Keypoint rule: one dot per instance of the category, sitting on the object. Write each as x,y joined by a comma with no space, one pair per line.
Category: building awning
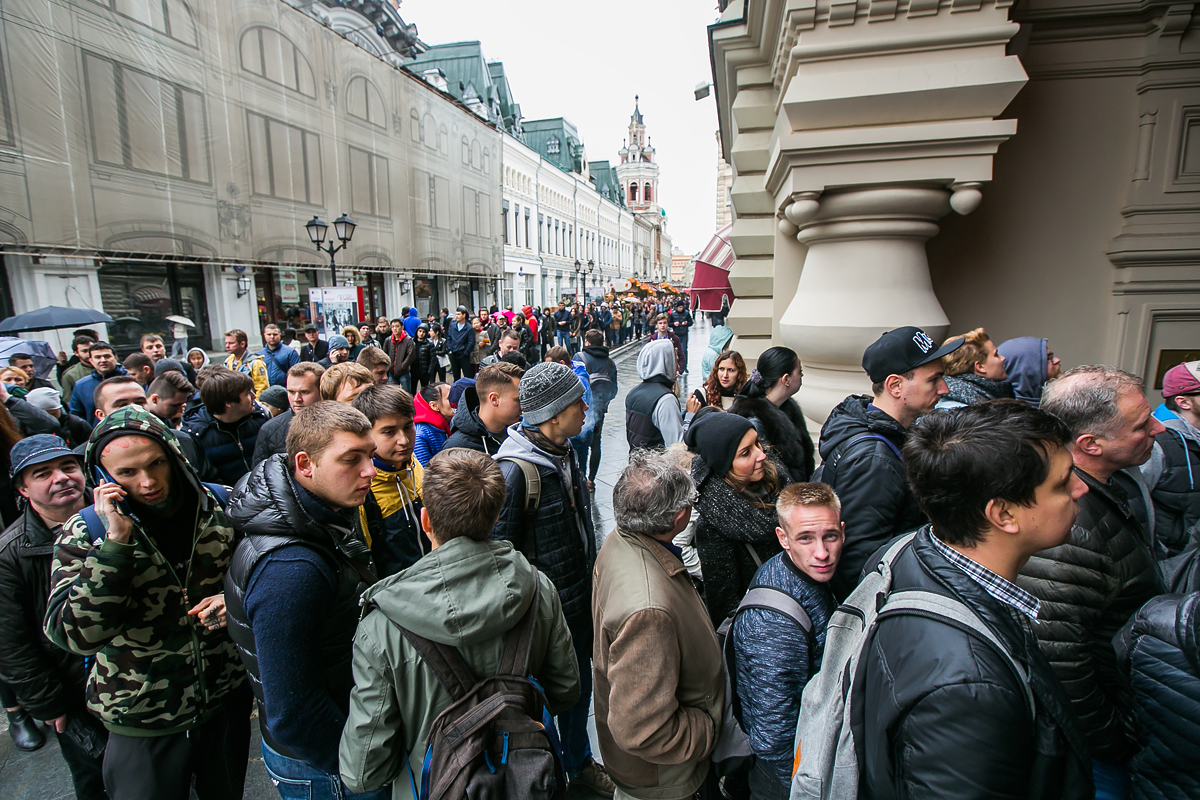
710,282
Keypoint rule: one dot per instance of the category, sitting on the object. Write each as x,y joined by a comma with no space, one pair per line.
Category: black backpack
497,740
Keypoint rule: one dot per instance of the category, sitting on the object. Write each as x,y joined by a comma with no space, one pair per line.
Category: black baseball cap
896,352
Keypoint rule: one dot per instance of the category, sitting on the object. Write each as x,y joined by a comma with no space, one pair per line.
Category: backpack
533,483
836,458
826,763
497,738
732,752
97,531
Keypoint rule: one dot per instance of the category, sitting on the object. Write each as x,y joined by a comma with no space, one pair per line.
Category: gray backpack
826,761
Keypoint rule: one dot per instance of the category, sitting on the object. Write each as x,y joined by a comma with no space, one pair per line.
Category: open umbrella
41,352
710,284
51,318
182,320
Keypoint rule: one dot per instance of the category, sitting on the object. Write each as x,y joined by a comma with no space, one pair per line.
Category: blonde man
343,382
975,372
245,362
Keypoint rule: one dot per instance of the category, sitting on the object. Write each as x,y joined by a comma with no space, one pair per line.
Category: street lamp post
578,272
343,227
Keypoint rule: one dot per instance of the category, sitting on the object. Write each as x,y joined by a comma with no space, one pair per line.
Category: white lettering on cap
922,340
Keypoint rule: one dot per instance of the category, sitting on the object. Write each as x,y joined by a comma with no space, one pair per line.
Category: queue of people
988,587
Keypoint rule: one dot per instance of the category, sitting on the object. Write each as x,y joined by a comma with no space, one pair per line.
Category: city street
42,775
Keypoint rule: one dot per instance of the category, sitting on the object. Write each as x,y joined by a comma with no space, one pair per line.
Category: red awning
710,284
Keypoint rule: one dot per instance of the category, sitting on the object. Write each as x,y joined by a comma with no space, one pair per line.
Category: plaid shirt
1003,590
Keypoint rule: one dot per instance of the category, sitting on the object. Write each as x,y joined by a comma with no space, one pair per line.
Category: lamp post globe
316,230
344,227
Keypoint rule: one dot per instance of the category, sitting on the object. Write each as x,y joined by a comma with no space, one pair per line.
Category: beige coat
659,687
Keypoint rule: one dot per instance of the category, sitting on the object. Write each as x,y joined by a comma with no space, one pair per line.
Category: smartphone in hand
100,475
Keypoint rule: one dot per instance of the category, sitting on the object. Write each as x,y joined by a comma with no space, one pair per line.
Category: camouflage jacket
155,670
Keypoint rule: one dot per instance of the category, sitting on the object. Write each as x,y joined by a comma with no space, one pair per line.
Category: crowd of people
383,542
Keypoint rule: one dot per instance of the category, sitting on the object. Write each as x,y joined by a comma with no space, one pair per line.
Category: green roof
605,177
557,140
467,74
510,110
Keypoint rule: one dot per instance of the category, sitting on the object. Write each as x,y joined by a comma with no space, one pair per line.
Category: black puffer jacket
1089,587
48,680
727,527
783,428
230,454
466,429
272,438
551,537
940,713
1158,650
30,419
877,505
425,363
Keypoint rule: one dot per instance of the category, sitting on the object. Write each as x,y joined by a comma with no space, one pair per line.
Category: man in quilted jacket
1091,585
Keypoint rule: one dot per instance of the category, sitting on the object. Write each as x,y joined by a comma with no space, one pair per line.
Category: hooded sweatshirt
465,594
469,430
154,670
432,430
718,340
411,322
1026,364
1173,477
201,352
648,405
391,517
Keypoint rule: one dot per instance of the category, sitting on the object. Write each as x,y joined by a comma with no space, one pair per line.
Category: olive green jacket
466,594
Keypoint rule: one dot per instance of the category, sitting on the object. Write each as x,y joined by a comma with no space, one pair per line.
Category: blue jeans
563,338
572,723
1112,782
299,780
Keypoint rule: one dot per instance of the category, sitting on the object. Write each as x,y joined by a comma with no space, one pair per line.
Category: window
476,156
443,140
364,101
505,214
646,194
6,126
466,151
529,246
487,166
285,161
171,17
476,213
552,146
370,192
143,123
417,130
633,192
571,238
431,199
269,54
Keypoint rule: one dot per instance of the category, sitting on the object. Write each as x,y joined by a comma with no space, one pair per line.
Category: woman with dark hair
737,485
10,434
727,377
766,400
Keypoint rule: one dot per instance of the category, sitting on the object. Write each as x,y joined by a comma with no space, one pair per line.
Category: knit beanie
547,389
716,436
275,396
168,365
337,342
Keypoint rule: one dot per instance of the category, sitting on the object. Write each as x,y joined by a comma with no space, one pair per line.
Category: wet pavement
42,774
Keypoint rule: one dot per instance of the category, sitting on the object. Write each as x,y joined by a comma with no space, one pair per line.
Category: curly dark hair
712,386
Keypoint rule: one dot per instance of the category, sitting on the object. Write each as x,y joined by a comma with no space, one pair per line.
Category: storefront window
425,296
282,296
139,297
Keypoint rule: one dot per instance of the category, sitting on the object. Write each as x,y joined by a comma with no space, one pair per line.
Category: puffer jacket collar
853,416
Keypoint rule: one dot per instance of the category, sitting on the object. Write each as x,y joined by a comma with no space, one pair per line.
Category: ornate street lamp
343,227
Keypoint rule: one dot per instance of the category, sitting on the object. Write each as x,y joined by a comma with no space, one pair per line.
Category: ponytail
773,364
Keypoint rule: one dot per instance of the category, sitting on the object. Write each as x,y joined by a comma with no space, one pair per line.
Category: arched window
476,156
466,151
646,194
443,140
418,132
364,101
428,129
633,192
269,54
487,165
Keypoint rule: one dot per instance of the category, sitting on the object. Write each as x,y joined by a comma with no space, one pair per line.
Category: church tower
638,171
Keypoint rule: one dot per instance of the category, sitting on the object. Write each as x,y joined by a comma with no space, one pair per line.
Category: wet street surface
42,774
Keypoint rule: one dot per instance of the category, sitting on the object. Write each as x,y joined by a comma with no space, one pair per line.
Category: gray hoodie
1152,470
465,594
657,360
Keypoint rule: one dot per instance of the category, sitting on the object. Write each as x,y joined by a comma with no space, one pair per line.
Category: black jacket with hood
877,505
939,712
467,430
272,438
229,453
783,428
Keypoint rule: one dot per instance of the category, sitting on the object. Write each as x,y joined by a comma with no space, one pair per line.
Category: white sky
585,61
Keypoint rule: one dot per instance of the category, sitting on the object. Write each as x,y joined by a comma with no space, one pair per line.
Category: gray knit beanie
546,390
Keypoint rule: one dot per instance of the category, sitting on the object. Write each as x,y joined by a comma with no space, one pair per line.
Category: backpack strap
862,437
451,671
95,526
777,600
947,609
514,659
533,482
220,492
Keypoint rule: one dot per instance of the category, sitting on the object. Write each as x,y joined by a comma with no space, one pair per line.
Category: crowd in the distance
987,589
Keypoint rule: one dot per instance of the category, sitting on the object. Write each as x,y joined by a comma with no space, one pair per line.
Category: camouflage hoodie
156,670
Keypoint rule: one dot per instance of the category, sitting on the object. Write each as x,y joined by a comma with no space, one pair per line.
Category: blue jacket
430,440
81,404
1026,365
412,322
230,454
462,341
1159,651
589,419
775,658
278,363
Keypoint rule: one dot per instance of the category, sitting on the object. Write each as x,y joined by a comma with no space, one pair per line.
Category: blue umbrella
52,318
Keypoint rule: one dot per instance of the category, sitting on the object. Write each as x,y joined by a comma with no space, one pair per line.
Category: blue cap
37,450
337,341
457,389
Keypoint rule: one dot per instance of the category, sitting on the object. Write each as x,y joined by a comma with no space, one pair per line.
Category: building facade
164,157
1030,168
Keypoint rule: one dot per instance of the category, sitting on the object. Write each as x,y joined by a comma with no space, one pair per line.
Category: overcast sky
585,61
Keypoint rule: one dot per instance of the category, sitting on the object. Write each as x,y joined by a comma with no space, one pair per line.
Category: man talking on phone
137,585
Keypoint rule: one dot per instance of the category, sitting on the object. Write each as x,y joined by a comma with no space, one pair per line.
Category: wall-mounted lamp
243,286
